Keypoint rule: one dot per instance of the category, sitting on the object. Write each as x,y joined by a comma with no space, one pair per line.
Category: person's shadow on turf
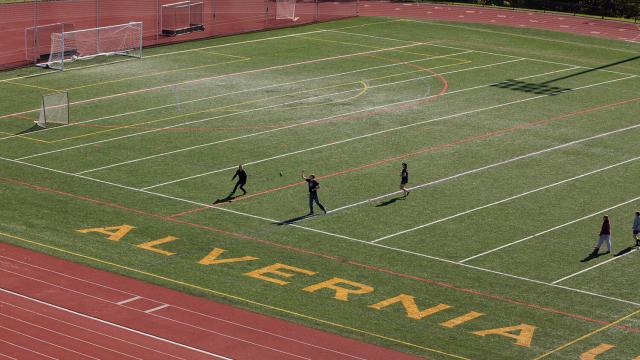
593,255
390,201
624,251
294,220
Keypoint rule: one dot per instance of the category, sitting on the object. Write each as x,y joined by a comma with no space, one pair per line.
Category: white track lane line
594,266
562,225
530,191
270,333
227,75
491,53
5,356
29,350
114,324
71,337
321,232
260,109
46,342
334,142
89,330
156,308
125,301
169,319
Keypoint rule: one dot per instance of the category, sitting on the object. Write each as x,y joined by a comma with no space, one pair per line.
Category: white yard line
260,109
489,53
252,71
250,90
336,142
565,224
526,192
594,266
318,231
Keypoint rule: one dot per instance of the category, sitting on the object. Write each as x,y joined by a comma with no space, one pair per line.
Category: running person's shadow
390,201
594,255
294,220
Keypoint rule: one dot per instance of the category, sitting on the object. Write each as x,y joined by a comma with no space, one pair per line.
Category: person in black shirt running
404,179
314,185
242,180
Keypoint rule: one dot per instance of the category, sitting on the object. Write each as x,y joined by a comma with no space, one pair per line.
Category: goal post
37,40
124,39
54,109
181,18
286,9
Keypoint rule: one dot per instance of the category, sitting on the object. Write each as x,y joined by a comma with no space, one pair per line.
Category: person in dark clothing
242,181
404,179
605,235
314,185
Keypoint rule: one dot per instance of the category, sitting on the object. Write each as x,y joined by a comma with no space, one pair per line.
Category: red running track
52,309
519,18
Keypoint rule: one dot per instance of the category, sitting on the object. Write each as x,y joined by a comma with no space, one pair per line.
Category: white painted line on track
270,333
157,308
594,266
526,192
322,232
169,319
7,356
29,350
129,300
89,330
562,225
114,324
71,337
47,342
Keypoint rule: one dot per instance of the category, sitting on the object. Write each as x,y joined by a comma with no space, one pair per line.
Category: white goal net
54,109
286,9
125,39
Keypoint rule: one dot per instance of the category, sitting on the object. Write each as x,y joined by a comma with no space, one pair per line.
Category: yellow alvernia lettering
523,337
212,258
461,319
151,245
409,304
115,232
275,269
591,354
342,293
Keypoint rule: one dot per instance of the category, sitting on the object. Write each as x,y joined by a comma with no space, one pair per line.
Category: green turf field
518,141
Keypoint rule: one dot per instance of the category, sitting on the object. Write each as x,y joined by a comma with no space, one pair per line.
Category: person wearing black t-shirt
314,185
242,181
404,179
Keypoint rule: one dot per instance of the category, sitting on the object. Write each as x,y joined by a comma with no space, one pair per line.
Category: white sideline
227,75
114,324
264,108
489,53
524,193
594,266
340,141
565,224
175,307
318,231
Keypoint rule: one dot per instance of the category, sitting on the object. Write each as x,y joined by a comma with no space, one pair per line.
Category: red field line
520,18
38,293
467,140
328,257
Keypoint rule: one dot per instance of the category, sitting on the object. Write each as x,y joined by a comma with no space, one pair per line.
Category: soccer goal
125,39
181,18
54,109
37,40
286,9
